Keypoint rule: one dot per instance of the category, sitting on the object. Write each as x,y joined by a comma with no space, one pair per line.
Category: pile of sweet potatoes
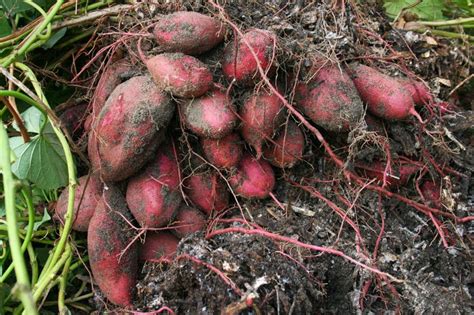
139,174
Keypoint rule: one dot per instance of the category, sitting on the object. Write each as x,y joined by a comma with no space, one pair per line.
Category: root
276,237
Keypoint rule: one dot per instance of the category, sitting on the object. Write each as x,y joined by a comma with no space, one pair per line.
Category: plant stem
23,47
45,281
445,23
33,264
13,238
28,236
41,11
62,287
62,243
25,99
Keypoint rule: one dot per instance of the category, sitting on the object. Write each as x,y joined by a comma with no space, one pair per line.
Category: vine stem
18,261
32,36
28,236
449,22
56,260
62,287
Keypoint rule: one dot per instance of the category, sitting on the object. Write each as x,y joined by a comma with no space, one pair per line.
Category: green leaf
12,7
46,217
41,161
460,8
33,120
5,28
55,38
428,10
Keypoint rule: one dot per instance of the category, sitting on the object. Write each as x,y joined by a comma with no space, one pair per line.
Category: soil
277,277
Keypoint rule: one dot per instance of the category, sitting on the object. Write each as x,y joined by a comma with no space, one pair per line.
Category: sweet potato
240,64
225,152
210,116
129,128
114,74
400,175
207,191
418,90
330,99
287,148
114,268
88,193
188,32
261,115
188,221
179,74
73,120
385,96
253,179
431,193
153,195
158,247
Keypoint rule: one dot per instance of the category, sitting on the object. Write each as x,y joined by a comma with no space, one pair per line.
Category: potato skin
189,220
90,191
114,268
261,115
240,64
253,179
330,99
181,75
158,246
385,96
210,116
153,195
223,153
129,128
401,170
188,32
73,120
287,148
419,92
207,191
110,78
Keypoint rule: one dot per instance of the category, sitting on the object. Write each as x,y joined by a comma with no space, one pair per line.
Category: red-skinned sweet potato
210,116
385,96
418,90
153,195
253,179
129,128
189,220
261,115
207,191
330,99
73,120
287,148
115,74
88,193
179,74
158,247
239,62
188,32
114,268
225,152
401,172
